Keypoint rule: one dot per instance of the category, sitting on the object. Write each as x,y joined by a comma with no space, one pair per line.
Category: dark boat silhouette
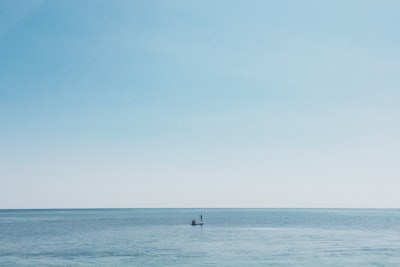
195,222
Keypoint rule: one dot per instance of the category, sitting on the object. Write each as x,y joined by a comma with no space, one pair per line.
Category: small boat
194,222
201,222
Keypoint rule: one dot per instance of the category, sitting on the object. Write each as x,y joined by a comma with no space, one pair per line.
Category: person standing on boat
201,217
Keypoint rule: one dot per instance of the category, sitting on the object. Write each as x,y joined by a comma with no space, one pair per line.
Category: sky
146,104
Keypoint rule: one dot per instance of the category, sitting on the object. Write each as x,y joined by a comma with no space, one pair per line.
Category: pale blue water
230,237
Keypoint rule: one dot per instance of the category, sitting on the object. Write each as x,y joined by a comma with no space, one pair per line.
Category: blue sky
199,104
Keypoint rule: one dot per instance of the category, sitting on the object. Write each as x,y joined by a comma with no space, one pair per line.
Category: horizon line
121,208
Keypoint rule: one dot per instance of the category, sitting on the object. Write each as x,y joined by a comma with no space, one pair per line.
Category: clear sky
199,103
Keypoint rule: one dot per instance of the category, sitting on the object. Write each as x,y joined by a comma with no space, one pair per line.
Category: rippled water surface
230,237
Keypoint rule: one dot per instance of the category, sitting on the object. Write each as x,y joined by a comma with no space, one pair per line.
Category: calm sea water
230,237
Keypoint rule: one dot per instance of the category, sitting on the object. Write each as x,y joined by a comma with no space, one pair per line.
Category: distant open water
230,237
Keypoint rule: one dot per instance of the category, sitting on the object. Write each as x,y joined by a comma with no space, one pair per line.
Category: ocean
229,237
